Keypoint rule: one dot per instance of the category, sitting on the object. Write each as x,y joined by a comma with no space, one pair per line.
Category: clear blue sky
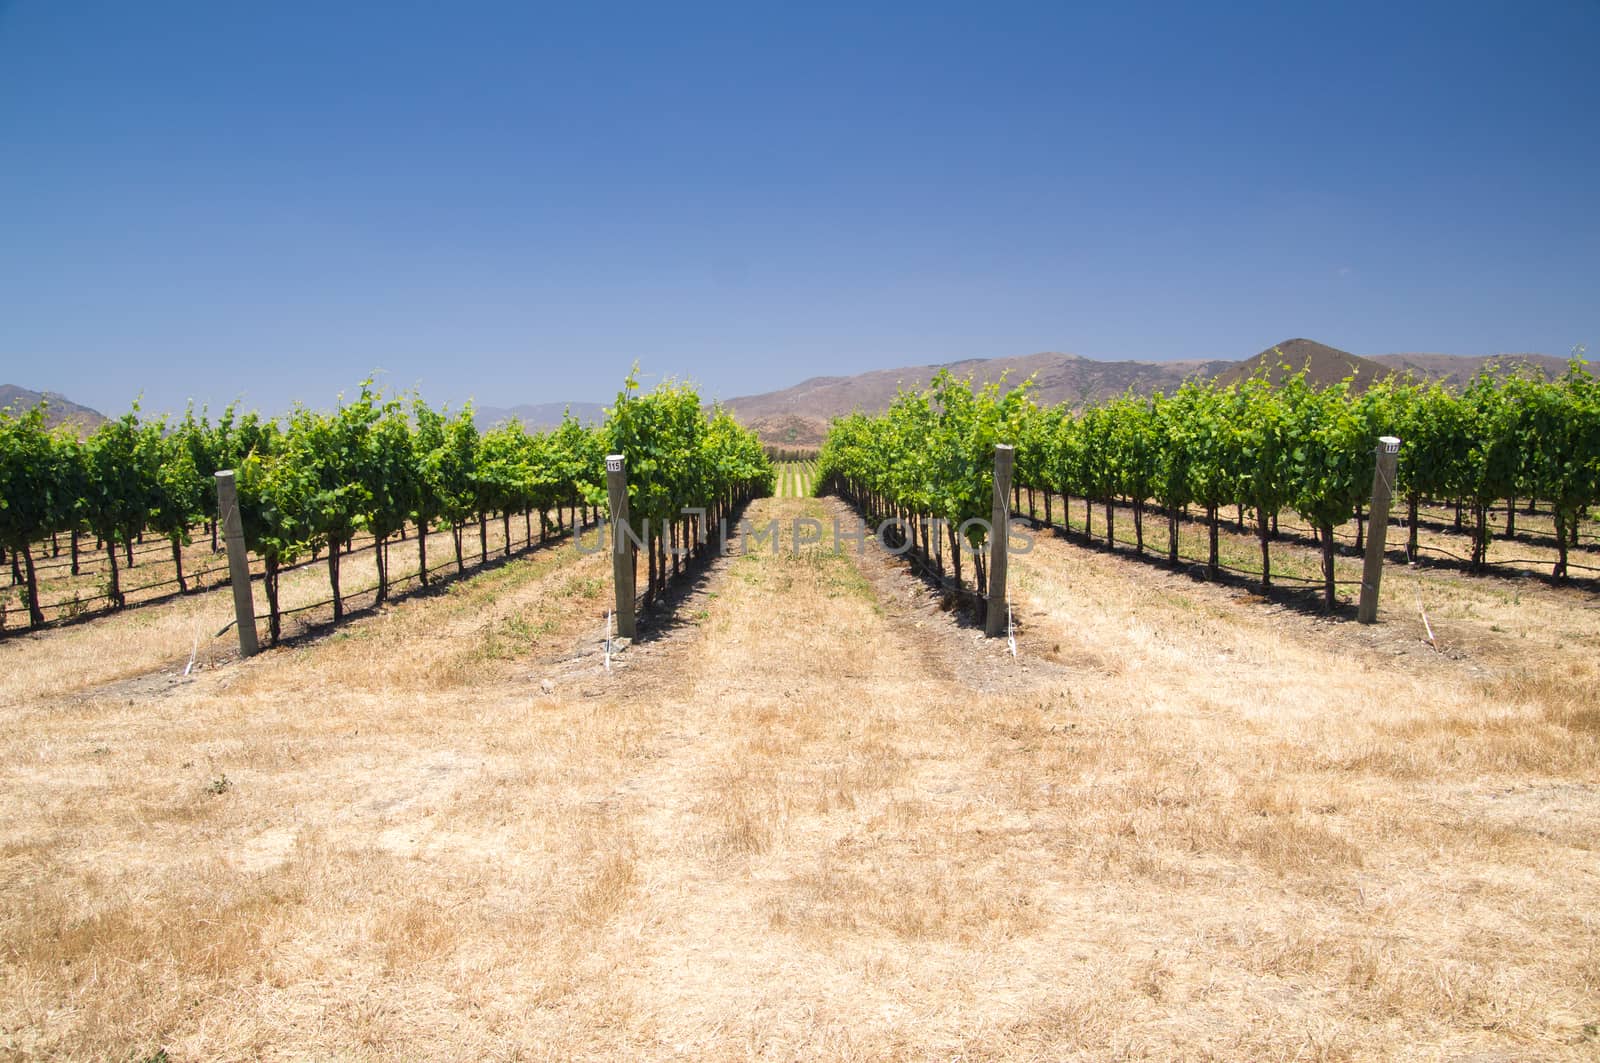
515,201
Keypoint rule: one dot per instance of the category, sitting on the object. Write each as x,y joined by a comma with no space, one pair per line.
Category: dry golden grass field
811,816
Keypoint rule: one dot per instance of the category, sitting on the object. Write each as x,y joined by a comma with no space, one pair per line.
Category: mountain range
798,416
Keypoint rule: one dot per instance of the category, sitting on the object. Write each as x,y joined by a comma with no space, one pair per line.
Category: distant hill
59,410
538,417
1457,370
789,429
799,415
1323,365
1057,378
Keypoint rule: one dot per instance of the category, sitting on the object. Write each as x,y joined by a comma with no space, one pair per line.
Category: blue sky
515,201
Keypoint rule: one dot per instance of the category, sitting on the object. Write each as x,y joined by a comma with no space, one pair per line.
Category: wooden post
244,605
622,568
994,623
1378,530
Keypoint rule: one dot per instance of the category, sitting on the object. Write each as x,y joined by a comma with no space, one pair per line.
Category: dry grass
816,821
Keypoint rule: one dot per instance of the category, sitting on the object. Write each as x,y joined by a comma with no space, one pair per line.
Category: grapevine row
1259,446
314,481
928,463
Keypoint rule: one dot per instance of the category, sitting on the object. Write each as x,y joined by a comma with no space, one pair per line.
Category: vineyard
1119,581
796,479
1286,460
1279,460
809,812
318,488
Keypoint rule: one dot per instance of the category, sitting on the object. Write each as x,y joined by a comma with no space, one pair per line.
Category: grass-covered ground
812,815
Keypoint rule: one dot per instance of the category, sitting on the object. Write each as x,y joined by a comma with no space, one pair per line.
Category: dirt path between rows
803,727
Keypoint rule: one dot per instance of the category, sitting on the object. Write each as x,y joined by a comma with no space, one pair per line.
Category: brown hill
790,430
798,416
59,410
1323,365
1457,370
1058,378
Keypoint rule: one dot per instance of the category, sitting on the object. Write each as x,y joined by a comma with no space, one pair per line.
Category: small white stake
1431,641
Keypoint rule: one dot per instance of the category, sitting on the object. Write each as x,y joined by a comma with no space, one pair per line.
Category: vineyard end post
244,605
621,546
994,620
1378,528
